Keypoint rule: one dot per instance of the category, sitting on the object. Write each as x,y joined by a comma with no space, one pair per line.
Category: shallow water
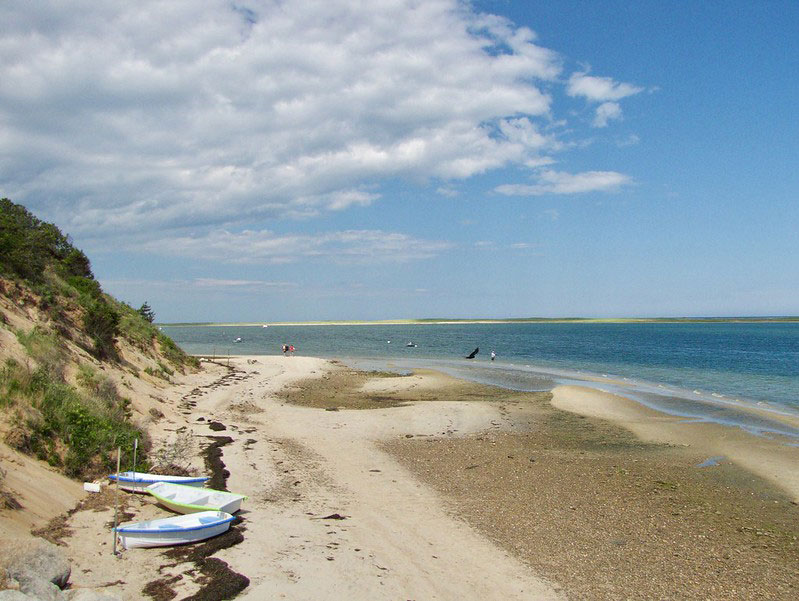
706,371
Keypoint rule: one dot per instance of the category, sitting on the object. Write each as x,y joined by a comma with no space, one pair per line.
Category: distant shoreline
443,321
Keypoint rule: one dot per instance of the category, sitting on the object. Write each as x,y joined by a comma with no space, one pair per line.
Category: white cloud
265,247
149,114
606,112
599,89
559,182
223,283
630,140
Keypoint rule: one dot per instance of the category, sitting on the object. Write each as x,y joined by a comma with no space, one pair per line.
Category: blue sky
314,160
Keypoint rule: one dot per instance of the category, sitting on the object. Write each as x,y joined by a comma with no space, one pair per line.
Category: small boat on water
237,339
175,530
191,499
139,481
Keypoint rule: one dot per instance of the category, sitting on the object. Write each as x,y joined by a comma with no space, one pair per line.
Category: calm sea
707,371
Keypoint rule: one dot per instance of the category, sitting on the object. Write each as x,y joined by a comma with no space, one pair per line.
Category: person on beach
493,355
285,349
291,350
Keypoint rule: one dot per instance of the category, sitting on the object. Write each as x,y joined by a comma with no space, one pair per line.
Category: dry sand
451,490
300,465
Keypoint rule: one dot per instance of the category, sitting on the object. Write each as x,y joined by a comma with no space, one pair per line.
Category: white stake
116,501
135,451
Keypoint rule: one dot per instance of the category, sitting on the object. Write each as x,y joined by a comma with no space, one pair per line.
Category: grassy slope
76,365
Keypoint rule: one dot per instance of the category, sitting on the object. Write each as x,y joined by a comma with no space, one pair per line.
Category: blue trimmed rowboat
139,481
176,530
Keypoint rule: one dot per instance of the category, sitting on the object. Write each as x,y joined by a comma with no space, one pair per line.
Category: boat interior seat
208,519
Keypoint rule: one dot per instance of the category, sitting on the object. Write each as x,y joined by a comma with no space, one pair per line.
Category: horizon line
477,320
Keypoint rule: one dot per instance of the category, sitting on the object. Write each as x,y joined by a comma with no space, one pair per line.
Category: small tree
146,311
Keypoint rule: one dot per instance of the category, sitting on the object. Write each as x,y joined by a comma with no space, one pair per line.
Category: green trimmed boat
191,499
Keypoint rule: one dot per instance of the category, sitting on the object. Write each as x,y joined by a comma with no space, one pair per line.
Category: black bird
473,353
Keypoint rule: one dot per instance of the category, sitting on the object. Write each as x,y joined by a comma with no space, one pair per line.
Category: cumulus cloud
265,247
117,116
559,182
603,90
599,89
606,112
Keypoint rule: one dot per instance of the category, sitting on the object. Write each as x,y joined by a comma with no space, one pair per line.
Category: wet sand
613,508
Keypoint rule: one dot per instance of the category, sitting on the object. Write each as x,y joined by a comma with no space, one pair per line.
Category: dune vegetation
63,351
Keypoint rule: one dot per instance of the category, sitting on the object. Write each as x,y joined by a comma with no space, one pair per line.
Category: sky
261,161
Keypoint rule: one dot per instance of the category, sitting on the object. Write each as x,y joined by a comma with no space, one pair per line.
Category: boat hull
139,481
177,530
183,499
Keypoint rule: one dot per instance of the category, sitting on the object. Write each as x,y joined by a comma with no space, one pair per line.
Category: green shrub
86,287
29,245
76,263
45,348
134,328
173,353
70,429
157,373
10,384
101,323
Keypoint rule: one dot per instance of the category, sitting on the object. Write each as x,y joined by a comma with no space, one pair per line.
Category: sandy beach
377,486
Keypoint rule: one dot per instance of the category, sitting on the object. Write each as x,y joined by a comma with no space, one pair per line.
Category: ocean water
706,371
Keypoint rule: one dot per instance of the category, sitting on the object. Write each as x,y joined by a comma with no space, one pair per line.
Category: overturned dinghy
176,530
139,481
190,499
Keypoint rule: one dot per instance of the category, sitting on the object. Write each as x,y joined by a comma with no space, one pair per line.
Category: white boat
190,499
237,339
139,481
175,530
